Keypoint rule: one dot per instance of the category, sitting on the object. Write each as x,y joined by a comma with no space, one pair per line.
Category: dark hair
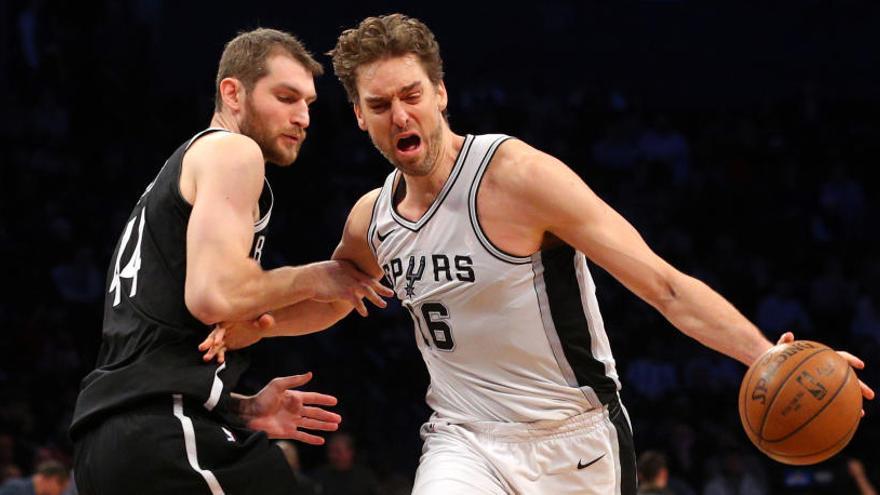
381,37
244,57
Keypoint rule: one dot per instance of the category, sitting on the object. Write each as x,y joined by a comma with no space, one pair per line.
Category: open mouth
409,143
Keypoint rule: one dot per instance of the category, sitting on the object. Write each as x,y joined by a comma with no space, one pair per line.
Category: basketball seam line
779,389
843,440
750,375
836,393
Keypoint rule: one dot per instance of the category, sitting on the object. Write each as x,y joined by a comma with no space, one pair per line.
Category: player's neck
421,190
223,120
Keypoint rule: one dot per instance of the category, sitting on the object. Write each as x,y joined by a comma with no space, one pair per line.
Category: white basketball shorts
591,453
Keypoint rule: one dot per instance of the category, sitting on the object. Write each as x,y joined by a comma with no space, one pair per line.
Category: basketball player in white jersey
484,240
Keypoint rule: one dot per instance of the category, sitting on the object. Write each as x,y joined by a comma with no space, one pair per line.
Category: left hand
234,335
282,413
853,361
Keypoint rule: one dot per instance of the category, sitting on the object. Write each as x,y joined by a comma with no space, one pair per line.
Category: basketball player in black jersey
153,417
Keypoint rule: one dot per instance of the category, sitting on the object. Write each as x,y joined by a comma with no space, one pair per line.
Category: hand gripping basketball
801,402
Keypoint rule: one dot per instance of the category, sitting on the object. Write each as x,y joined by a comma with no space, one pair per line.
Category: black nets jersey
150,339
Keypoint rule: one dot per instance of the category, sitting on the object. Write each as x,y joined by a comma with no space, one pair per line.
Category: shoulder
518,167
362,213
226,150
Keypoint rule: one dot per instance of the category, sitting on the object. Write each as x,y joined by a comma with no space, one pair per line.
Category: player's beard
254,127
432,144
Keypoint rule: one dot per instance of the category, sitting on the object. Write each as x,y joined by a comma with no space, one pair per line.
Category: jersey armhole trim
371,229
472,209
177,192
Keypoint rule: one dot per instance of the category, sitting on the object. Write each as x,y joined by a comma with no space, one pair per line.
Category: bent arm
561,203
222,282
312,316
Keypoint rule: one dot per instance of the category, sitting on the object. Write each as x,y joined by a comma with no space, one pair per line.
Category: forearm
307,317
243,292
704,315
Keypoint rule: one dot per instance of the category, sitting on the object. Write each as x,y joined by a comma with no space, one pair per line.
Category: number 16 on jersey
432,321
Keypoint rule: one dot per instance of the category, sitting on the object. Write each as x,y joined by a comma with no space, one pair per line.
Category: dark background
739,139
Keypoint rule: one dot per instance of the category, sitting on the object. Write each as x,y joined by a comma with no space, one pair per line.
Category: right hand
855,362
229,336
339,280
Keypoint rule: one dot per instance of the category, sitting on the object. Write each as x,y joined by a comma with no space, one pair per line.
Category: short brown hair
381,37
244,57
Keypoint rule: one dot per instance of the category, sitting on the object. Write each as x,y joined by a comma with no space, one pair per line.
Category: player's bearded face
279,146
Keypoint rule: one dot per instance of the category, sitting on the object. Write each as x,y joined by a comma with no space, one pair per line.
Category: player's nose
398,114
300,114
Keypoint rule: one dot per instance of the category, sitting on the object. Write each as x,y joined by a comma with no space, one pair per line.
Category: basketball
800,403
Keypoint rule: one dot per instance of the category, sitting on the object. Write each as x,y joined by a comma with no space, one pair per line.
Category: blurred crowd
768,202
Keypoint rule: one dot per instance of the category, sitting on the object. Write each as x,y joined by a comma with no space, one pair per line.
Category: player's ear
232,93
359,116
442,97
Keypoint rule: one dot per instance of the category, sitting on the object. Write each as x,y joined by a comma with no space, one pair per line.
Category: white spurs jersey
505,338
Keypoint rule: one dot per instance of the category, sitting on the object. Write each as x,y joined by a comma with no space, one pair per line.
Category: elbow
665,294
209,308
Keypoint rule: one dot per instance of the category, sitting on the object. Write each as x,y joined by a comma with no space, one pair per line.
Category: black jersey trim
626,451
571,323
487,243
450,182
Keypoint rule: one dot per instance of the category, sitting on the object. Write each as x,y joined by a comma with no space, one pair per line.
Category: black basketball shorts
170,448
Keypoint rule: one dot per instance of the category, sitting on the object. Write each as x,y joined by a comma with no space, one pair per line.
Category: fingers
316,398
308,438
374,298
381,289
221,355
852,360
214,345
320,415
207,343
867,392
286,382
314,424
785,338
212,338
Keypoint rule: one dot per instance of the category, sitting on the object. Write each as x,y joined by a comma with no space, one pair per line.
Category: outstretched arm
222,178
310,316
562,204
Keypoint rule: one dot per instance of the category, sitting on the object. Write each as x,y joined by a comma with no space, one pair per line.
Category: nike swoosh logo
581,465
383,237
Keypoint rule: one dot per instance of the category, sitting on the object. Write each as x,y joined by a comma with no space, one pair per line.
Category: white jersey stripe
216,389
599,345
189,437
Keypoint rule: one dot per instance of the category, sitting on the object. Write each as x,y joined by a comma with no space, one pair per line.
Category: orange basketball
800,403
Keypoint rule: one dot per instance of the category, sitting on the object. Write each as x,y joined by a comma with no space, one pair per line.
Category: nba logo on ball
800,403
